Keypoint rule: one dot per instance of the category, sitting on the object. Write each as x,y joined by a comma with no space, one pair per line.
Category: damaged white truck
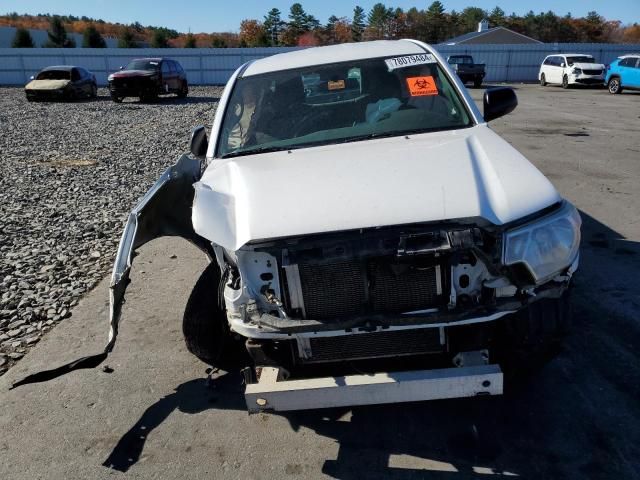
371,239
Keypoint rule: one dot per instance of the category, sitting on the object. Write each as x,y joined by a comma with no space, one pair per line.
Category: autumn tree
91,38
357,24
253,34
631,34
58,35
22,39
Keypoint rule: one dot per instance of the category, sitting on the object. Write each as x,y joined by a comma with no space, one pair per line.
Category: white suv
571,69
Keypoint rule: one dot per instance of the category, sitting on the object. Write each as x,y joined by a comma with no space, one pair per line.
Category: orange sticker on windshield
421,86
336,85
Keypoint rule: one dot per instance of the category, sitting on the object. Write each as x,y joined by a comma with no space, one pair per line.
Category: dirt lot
155,416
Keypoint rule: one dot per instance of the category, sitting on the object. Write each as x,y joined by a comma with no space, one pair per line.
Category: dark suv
147,78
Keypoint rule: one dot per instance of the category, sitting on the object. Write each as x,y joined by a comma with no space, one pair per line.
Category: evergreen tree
58,35
127,40
22,39
470,17
91,38
436,22
497,17
190,41
159,39
273,26
218,42
378,20
357,25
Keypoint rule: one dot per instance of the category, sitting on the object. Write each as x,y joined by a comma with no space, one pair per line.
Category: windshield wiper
251,151
399,133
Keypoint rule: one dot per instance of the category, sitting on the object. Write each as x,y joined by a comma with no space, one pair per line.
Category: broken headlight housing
545,246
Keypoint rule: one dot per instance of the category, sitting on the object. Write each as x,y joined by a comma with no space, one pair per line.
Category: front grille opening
369,286
397,343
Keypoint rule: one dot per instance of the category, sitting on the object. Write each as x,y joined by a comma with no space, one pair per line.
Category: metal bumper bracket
269,394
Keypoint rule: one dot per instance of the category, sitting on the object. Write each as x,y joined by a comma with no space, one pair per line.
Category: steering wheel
311,118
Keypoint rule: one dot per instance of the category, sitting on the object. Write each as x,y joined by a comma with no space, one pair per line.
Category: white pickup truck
371,239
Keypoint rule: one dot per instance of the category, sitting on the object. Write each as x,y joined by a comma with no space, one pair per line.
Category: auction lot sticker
409,61
422,86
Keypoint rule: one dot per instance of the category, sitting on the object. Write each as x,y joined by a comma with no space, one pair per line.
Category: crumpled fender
165,210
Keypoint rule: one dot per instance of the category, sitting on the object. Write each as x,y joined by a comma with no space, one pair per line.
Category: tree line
299,28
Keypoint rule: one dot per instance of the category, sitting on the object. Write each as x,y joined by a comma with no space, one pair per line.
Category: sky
217,16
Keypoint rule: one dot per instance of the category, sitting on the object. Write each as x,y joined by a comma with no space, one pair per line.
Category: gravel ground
71,172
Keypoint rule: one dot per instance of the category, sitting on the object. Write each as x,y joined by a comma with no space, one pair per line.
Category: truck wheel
614,86
204,325
116,98
565,82
534,334
543,80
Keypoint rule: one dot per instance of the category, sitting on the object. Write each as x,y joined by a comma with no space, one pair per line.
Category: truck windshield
338,103
572,60
461,60
149,65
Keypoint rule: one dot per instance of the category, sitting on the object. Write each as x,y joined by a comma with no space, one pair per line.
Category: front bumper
132,87
586,79
58,94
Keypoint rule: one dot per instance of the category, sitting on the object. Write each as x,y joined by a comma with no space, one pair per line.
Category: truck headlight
577,71
545,246
110,78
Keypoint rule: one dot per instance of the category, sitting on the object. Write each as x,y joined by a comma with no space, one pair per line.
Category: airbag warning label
421,86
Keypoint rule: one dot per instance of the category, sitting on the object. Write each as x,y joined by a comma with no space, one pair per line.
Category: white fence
204,66
212,66
521,63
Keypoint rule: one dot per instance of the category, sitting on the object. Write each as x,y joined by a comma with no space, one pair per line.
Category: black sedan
147,78
65,82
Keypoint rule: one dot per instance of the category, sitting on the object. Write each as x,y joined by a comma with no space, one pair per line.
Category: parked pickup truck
467,70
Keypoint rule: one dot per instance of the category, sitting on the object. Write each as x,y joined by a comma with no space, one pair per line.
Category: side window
547,61
179,67
75,75
165,67
172,66
638,62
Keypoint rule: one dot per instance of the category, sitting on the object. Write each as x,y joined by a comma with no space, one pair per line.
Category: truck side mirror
498,101
562,65
199,142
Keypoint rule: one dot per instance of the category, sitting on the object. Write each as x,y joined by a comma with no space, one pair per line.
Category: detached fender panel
165,210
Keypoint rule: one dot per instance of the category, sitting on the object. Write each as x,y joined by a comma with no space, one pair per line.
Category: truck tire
565,82
204,325
534,335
